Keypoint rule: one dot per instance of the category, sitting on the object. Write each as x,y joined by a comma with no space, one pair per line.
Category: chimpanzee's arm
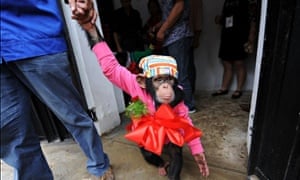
93,35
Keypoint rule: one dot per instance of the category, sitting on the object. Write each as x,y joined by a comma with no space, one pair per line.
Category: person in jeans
34,60
177,37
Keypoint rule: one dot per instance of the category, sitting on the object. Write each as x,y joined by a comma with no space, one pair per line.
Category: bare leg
227,75
241,74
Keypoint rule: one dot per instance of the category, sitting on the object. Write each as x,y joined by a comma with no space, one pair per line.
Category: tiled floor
220,118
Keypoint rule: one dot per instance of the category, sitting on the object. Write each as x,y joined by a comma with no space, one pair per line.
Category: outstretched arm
116,73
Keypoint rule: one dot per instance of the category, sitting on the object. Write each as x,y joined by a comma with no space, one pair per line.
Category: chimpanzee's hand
202,164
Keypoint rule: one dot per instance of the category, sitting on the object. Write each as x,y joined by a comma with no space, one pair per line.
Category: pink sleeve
194,145
116,73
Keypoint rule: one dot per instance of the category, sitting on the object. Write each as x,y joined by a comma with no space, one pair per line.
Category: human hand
119,49
160,36
202,164
83,11
249,47
88,25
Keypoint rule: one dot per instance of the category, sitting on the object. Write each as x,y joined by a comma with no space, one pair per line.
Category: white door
101,96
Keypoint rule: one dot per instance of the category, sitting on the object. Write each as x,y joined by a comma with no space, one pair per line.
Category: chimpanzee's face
163,85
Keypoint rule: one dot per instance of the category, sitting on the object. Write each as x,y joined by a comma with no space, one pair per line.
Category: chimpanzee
157,85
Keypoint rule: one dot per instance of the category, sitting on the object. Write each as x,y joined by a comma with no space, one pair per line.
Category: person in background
152,26
196,13
127,32
176,34
238,36
127,28
34,61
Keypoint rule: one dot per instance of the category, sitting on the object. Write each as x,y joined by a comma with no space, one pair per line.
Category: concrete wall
209,67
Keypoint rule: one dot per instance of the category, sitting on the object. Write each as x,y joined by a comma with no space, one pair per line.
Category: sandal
236,94
220,92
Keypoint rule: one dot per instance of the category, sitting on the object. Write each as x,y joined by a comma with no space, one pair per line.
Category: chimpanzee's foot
162,171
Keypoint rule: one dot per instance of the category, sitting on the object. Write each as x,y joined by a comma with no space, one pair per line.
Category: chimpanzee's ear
141,79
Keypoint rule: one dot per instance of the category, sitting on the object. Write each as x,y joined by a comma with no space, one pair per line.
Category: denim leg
20,146
181,51
50,80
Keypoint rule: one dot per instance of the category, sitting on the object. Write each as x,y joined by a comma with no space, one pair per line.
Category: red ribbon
150,132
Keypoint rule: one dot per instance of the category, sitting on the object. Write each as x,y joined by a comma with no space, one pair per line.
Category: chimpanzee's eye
160,80
163,79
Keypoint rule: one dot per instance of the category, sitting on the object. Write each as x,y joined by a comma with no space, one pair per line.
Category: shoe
220,92
236,94
191,111
245,107
108,175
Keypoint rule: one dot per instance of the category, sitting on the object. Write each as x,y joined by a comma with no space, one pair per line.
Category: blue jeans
181,51
49,78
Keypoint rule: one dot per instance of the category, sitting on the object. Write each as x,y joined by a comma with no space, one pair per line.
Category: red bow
150,131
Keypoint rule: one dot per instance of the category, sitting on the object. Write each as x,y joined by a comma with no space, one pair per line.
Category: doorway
224,124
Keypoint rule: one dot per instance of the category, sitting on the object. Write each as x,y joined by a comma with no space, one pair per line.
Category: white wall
209,67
